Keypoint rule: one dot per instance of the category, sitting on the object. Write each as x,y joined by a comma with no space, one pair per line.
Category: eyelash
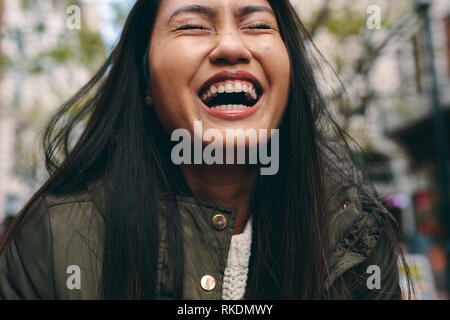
260,26
191,26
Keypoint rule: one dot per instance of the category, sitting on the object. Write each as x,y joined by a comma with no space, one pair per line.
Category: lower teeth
230,107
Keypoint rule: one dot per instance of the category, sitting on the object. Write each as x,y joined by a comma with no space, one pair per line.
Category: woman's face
221,62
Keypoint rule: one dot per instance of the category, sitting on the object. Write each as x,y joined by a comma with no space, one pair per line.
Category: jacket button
208,283
346,204
219,222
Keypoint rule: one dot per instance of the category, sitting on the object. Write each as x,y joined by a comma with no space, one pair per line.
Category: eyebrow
210,12
206,11
247,10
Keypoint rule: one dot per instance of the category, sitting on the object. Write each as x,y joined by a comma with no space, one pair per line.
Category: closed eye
191,27
260,26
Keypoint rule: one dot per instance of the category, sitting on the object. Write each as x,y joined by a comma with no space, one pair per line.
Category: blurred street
392,58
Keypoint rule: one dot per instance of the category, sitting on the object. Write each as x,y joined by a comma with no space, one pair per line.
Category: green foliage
345,22
44,49
60,53
27,4
35,68
355,52
91,47
4,62
40,27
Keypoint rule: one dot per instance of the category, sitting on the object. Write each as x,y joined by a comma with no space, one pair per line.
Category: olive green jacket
63,232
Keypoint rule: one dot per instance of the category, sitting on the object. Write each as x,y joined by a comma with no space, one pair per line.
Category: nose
230,49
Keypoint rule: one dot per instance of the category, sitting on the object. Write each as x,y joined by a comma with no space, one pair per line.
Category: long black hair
107,132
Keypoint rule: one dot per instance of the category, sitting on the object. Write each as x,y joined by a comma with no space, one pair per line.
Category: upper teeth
230,87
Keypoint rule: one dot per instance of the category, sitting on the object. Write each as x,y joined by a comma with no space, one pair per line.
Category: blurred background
393,58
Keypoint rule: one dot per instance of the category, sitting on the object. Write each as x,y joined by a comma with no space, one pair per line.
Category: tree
353,49
45,64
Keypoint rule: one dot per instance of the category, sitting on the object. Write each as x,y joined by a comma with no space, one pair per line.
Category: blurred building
42,63
389,109
39,68
404,162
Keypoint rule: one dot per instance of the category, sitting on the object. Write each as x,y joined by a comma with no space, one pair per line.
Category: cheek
173,70
174,63
163,64
277,66
176,57
274,58
281,79
160,68
280,67
170,69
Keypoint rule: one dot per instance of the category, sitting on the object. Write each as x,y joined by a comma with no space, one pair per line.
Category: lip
237,114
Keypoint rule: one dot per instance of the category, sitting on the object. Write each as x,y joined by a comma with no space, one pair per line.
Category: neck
225,185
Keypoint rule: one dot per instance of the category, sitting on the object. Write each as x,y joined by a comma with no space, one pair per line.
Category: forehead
169,6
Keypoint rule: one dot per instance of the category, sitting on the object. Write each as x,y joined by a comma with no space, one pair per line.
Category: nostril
228,61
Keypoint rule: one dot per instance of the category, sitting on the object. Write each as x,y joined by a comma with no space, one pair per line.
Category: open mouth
231,95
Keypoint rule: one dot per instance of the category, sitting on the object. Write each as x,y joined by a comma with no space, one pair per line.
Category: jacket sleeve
26,261
376,278
385,257
364,259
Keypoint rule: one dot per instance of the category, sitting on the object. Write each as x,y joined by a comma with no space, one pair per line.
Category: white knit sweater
235,277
